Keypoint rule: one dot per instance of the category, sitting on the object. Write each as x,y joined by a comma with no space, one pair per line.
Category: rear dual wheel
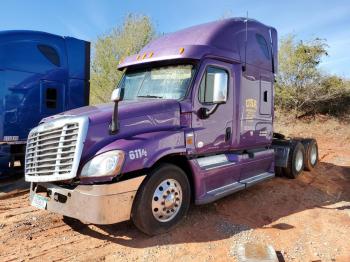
296,161
303,156
162,200
311,153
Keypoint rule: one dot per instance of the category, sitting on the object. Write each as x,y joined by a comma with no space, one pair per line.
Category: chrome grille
54,149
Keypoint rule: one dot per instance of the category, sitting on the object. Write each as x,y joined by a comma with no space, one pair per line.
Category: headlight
106,164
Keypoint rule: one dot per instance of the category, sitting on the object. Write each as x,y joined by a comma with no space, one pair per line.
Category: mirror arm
212,110
205,112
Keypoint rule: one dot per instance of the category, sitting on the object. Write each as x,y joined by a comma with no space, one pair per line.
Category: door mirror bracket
204,112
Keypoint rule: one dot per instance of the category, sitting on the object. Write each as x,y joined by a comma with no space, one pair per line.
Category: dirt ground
307,219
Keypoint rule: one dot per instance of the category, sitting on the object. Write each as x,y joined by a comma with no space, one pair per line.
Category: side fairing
256,110
256,89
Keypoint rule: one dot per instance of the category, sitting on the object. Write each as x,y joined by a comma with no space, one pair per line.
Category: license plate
39,201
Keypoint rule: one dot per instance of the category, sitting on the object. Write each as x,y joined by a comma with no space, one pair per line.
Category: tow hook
60,198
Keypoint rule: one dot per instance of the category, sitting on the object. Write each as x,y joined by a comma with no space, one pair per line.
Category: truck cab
190,121
41,74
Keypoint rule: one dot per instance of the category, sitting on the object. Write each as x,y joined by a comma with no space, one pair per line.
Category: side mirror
115,97
220,80
214,86
213,90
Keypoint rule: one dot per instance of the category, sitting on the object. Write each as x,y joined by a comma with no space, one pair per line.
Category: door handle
228,134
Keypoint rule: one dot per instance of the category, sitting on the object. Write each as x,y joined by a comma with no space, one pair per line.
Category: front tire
162,200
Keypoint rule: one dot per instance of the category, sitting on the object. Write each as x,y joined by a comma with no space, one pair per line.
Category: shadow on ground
13,186
257,207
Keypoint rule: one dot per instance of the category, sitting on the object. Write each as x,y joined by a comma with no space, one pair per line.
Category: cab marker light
189,139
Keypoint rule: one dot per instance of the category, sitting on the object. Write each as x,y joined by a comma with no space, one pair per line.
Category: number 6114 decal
137,153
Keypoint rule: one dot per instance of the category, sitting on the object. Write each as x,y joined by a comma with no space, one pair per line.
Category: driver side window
214,86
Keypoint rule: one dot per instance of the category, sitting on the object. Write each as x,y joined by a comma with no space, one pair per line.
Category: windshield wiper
150,96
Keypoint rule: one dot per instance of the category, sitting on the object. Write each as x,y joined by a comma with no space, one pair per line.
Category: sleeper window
263,45
50,53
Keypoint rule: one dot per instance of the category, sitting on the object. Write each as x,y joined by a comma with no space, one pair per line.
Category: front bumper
97,204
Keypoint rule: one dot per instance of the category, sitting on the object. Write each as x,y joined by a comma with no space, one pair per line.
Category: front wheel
162,200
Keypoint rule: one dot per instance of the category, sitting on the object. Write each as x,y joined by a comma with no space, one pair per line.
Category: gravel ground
307,219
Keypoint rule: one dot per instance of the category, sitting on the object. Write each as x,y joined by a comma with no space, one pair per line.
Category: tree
301,86
298,61
298,71
124,40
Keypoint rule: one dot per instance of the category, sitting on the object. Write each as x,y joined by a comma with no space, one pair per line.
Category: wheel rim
167,200
313,154
299,159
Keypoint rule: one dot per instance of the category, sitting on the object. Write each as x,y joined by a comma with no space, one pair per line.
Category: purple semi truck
191,121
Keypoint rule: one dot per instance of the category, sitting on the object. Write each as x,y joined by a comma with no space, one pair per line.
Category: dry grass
319,126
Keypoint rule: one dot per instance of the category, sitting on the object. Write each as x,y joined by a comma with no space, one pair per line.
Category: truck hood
135,117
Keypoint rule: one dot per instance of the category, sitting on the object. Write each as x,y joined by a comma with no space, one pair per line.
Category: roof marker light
182,50
138,57
144,56
150,54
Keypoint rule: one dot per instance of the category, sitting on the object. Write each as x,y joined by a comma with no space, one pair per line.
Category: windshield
168,82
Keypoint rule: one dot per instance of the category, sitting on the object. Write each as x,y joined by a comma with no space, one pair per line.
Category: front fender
144,150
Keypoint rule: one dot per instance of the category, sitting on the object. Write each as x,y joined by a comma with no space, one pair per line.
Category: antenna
246,42
246,27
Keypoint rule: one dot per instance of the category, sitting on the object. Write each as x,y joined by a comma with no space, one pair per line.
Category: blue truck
41,74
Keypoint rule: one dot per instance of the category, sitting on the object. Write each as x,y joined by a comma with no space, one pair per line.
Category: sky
88,19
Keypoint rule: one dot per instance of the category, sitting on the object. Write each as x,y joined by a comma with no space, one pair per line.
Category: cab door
213,108
212,123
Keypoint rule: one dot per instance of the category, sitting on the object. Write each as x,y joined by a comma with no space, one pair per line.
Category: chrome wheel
167,200
299,159
313,155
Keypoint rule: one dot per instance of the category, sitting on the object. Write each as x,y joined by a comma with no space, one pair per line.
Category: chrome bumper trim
97,204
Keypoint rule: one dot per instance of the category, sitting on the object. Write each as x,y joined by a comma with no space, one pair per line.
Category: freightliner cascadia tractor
41,74
191,122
